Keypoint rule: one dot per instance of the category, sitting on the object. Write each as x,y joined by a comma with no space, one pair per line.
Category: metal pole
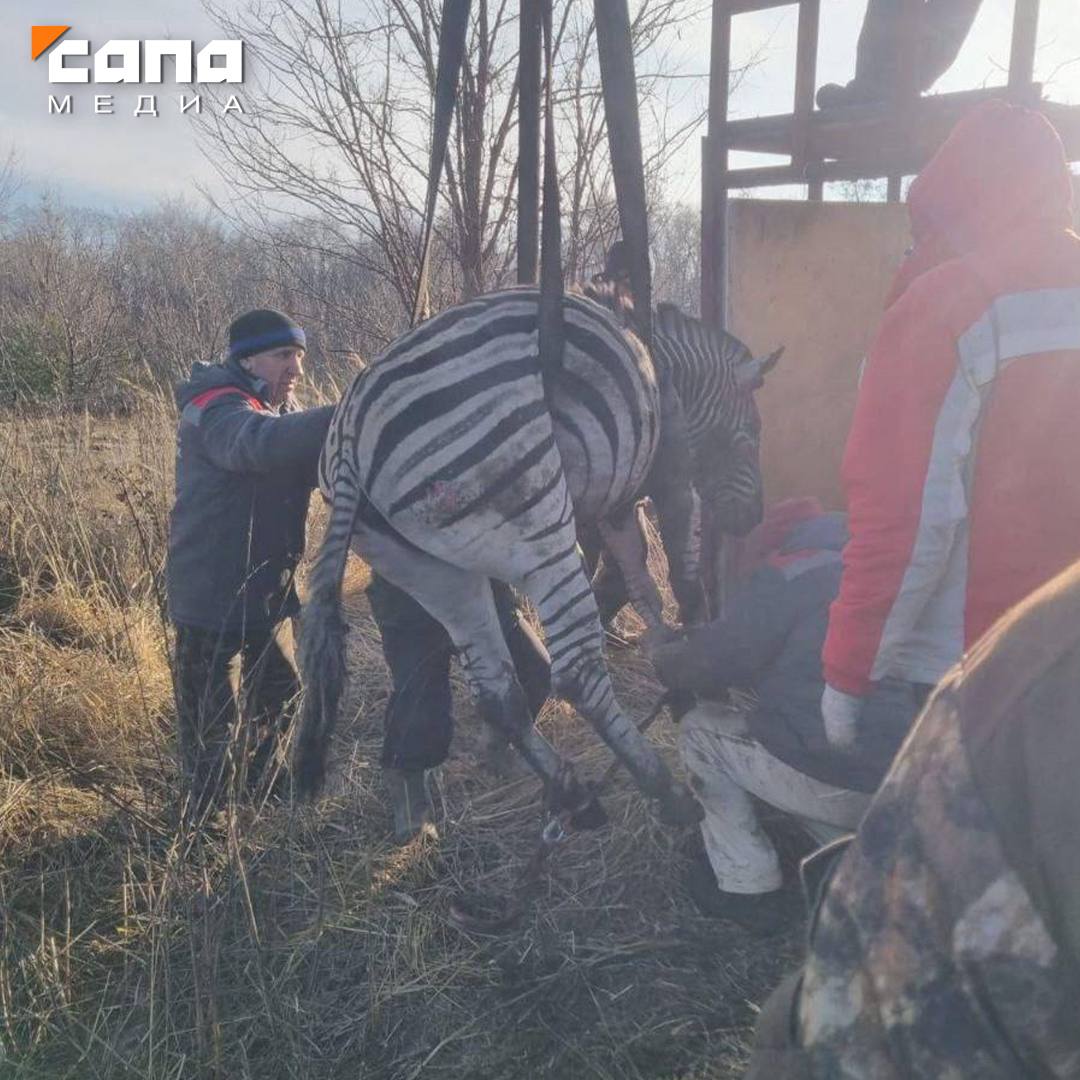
713,173
805,78
528,225
619,85
453,31
1022,55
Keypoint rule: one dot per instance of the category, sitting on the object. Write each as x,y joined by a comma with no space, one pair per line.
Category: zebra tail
322,645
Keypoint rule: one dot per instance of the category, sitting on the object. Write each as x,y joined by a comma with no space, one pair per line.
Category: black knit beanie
264,328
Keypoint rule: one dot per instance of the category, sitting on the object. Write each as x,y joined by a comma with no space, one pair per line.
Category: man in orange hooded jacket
960,465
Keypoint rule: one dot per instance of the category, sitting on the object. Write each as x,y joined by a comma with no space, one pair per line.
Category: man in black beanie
246,464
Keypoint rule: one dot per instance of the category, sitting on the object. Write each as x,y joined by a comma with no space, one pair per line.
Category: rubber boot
410,803
763,914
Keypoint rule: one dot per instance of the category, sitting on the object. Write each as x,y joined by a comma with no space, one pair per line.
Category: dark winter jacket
770,642
244,475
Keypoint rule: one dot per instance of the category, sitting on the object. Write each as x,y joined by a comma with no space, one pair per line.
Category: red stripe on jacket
204,399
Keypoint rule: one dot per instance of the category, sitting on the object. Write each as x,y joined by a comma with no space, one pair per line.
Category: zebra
714,376
454,459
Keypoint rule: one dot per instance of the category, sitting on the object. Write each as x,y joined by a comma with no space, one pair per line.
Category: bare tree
181,279
676,254
95,305
339,134
341,127
61,318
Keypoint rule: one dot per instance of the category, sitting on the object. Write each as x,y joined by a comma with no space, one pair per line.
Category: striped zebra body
714,376
455,459
464,445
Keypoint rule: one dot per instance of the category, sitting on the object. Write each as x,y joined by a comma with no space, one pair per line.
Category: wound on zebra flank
455,459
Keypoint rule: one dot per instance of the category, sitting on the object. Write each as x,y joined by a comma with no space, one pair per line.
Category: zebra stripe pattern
715,376
454,459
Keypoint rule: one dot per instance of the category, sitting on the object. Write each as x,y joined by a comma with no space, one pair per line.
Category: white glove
840,712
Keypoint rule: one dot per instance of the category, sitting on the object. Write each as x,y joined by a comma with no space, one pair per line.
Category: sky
122,161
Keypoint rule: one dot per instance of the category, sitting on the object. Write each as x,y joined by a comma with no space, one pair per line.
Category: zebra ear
750,375
766,365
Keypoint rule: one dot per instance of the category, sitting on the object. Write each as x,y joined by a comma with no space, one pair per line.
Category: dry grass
296,942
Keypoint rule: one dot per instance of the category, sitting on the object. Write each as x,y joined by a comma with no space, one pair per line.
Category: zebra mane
673,322
669,320
610,293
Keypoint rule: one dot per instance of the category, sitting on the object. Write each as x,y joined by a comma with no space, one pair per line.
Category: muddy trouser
726,767
419,720
943,26
234,696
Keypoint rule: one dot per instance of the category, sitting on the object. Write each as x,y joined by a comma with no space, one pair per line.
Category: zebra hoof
679,807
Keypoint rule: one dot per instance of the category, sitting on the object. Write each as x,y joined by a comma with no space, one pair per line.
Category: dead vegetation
296,942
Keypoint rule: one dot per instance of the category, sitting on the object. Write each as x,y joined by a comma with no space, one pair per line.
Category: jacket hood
209,376
770,536
1002,168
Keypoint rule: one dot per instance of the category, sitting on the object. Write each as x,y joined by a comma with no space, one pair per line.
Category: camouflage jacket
947,943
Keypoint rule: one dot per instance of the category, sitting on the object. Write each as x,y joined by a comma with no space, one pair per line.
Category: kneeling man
769,642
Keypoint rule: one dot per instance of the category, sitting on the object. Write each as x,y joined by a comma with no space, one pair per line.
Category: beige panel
812,277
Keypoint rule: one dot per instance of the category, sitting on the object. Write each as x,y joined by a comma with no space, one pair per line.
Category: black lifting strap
551,275
453,30
624,140
528,223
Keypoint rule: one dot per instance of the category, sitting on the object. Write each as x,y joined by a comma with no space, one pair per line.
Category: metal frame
891,139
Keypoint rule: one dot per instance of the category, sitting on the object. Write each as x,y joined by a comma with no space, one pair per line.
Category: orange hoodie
959,468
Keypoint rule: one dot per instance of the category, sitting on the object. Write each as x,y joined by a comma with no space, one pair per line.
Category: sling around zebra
454,459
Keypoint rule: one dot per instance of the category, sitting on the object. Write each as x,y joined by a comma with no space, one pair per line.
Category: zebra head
716,377
728,463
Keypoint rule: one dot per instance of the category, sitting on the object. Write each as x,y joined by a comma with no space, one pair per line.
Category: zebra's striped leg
462,601
575,640
623,533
